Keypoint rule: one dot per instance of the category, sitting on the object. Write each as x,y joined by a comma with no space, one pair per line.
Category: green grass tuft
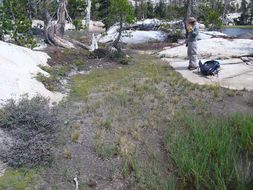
208,153
19,179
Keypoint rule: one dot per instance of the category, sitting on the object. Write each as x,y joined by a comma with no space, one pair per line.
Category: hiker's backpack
209,67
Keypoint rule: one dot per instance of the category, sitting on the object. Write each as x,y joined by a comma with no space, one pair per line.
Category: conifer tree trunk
54,31
116,42
189,8
61,18
88,10
188,5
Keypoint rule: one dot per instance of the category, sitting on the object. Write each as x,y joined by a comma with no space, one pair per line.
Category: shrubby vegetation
100,11
76,9
160,11
120,11
31,124
211,16
15,23
246,13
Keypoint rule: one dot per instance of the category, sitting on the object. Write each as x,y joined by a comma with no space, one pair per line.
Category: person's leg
189,53
194,61
190,62
192,53
189,49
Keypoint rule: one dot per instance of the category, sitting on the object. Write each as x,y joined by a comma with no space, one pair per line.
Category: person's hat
191,19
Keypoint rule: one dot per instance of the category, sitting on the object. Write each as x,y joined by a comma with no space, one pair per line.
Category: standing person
193,31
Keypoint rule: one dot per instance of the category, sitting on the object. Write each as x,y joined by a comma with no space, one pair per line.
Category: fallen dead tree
54,31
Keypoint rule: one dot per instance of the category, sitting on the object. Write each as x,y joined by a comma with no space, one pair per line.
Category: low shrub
99,53
49,82
78,24
31,125
120,58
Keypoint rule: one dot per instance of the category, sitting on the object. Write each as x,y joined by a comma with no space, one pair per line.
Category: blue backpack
209,67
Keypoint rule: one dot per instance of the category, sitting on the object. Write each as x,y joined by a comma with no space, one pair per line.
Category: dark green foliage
251,12
120,58
246,13
99,53
141,10
76,10
104,12
150,10
94,10
210,16
14,22
32,125
110,10
100,11
121,9
161,10
175,12
78,24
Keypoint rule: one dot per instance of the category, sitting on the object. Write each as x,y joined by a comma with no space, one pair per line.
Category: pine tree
94,10
103,12
150,10
251,12
14,22
160,10
244,10
143,10
76,9
137,11
120,11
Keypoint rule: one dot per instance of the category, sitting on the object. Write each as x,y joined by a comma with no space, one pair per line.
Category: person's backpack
209,67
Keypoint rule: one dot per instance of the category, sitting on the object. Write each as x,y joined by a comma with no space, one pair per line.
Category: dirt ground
115,116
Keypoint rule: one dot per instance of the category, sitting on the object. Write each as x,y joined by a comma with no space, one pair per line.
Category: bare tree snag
54,31
61,18
88,10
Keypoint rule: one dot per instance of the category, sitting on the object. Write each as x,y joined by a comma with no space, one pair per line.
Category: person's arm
195,31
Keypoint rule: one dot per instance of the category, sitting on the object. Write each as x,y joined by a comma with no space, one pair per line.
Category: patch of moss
19,179
79,64
62,71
